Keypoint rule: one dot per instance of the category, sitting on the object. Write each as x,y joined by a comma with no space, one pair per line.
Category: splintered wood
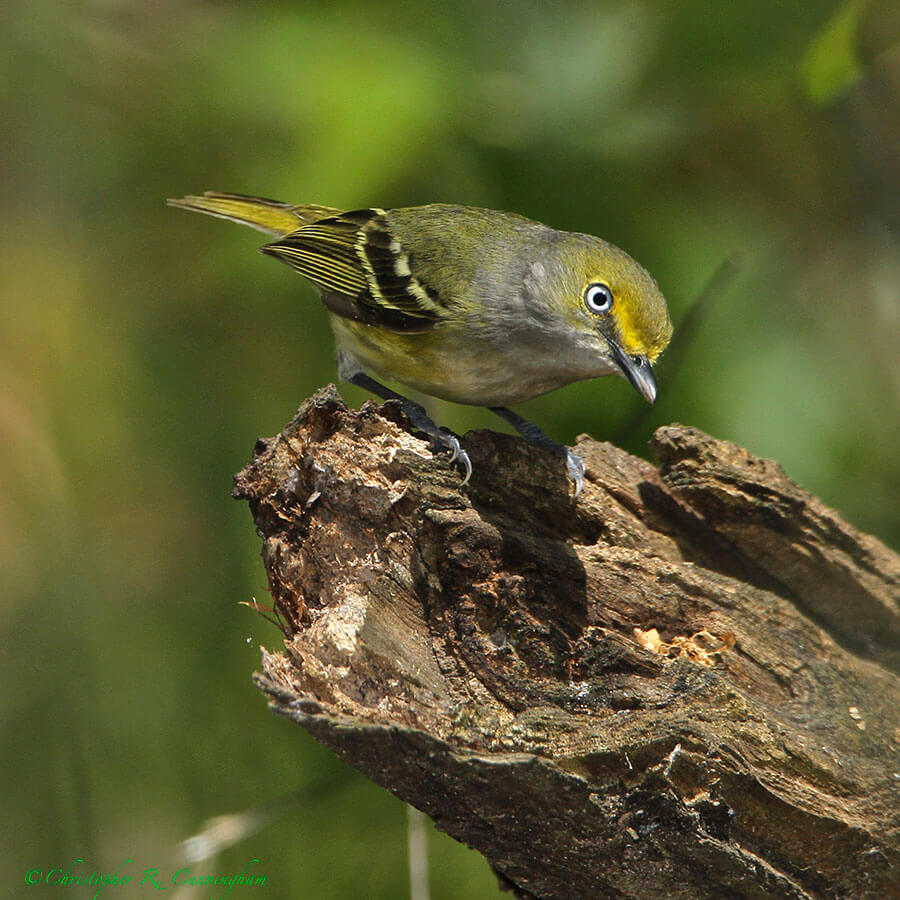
691,647
684,685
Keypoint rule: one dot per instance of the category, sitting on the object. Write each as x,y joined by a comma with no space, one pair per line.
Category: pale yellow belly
441,364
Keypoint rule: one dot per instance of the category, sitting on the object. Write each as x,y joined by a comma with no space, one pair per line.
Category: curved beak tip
638,371
645,385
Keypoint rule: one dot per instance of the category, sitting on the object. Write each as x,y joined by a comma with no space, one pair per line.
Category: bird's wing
361,270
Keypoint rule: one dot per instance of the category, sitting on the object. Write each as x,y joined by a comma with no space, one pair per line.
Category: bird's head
613,304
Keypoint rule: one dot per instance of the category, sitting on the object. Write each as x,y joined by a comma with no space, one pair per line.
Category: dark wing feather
361,270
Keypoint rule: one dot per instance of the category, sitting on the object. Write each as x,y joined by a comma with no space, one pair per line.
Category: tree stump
685,684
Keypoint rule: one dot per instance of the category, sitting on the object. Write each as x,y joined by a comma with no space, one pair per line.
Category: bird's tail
270,216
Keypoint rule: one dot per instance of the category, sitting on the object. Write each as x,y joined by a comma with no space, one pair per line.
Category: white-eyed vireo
471,305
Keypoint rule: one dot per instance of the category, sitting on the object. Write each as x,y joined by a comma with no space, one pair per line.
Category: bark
488,654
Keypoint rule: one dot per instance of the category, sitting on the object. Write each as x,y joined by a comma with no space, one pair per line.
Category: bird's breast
453,364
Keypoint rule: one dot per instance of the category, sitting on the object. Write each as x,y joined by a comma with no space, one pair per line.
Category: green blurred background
142,349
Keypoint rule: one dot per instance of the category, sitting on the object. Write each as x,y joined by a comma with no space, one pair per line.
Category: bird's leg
534,435
419,419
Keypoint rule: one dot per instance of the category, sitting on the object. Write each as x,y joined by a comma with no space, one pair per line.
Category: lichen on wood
482,653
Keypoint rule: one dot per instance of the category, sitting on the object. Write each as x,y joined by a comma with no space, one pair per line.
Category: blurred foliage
142,350
830,65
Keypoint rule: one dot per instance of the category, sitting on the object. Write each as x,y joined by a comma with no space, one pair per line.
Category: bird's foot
534,435
575,468
457,454
418,418
440,437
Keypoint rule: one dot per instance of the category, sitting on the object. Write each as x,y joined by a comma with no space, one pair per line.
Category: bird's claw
457,454
575,468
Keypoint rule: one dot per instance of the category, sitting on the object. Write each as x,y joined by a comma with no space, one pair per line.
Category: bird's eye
598,298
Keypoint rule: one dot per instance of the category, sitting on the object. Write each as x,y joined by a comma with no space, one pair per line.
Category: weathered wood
475,651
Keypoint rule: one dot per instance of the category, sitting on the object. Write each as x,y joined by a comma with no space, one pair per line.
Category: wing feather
354,255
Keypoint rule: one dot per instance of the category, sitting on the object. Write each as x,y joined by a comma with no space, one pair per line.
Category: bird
471,305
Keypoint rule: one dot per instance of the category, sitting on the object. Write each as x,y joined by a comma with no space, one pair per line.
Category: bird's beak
637,370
